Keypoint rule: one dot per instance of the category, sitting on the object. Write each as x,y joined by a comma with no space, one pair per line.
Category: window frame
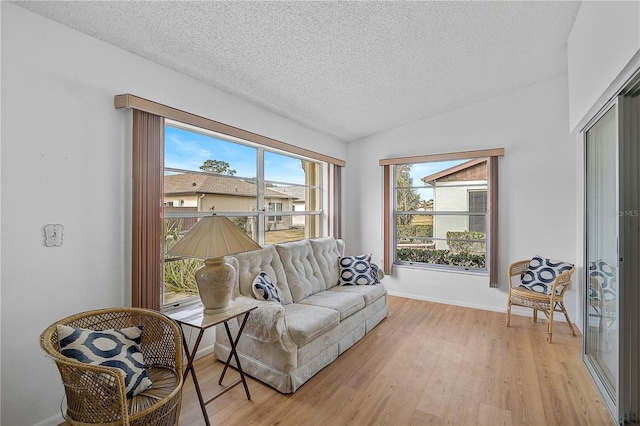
492,234
147,219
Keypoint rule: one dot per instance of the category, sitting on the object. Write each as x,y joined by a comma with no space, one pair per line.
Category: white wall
603,50
66,160
537,187
604,37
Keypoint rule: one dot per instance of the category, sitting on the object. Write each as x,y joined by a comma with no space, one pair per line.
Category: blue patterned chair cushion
264,289
358,270
605,274
542,273
119,348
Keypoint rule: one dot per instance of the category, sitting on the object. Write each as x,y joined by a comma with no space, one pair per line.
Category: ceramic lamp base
215,280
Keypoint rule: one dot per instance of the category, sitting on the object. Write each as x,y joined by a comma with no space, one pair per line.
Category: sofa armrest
266,323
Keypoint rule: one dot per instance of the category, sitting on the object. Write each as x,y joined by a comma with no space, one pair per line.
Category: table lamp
211,239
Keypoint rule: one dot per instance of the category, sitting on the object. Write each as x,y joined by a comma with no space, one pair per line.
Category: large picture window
207,173
441,211
236,172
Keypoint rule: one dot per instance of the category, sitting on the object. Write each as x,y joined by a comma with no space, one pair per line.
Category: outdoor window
478,204
275,207
441,211
207,173
164,206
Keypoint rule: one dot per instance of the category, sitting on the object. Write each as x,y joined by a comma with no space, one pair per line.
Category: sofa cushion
306,322
264,289
267,260
302,270
327,253
371,293
358,270
345,303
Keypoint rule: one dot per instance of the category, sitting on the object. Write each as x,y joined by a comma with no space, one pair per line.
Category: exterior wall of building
452,198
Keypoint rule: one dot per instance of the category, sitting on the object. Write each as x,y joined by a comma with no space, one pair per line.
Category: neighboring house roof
198,183
475,169
297,192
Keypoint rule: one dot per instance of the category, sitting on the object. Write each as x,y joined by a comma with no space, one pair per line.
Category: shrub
178,275
469,241
420,232
441,257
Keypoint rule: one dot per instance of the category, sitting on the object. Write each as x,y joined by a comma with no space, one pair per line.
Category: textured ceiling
347,69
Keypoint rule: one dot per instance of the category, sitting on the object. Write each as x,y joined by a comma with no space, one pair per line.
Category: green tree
218,166
407,198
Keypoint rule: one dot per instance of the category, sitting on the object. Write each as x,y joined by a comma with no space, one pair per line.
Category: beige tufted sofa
285,344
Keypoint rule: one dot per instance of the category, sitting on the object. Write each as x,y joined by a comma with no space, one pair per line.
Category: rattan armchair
96,394
547,303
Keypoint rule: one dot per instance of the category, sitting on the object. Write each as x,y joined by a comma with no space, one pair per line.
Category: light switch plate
53,235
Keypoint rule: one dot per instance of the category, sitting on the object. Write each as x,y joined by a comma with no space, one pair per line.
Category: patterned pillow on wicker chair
119,348
542,273
605,274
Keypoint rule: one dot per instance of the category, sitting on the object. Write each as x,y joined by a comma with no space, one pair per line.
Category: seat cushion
306,322
345,303
371,293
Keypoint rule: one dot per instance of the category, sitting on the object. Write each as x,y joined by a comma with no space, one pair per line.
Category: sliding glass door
612,210
602,189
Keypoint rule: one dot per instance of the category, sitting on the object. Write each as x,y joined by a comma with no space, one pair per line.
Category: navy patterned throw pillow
542,273
119,348
605,274
358,270
264,289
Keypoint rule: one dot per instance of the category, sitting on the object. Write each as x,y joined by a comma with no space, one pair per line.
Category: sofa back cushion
301,268
251,263
327,251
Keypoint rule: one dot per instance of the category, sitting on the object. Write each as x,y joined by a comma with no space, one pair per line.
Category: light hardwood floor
426,363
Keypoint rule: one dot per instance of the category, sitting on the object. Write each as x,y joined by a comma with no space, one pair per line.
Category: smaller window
478,205
275,207
440,211
428,211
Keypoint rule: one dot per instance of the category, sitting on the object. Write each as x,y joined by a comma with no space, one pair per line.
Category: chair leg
509,313
535,315
550,326
566,315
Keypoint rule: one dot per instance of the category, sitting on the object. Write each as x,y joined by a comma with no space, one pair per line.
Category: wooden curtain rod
495,152
141,104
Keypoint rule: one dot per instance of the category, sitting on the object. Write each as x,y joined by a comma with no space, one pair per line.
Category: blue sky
189,150
420,170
